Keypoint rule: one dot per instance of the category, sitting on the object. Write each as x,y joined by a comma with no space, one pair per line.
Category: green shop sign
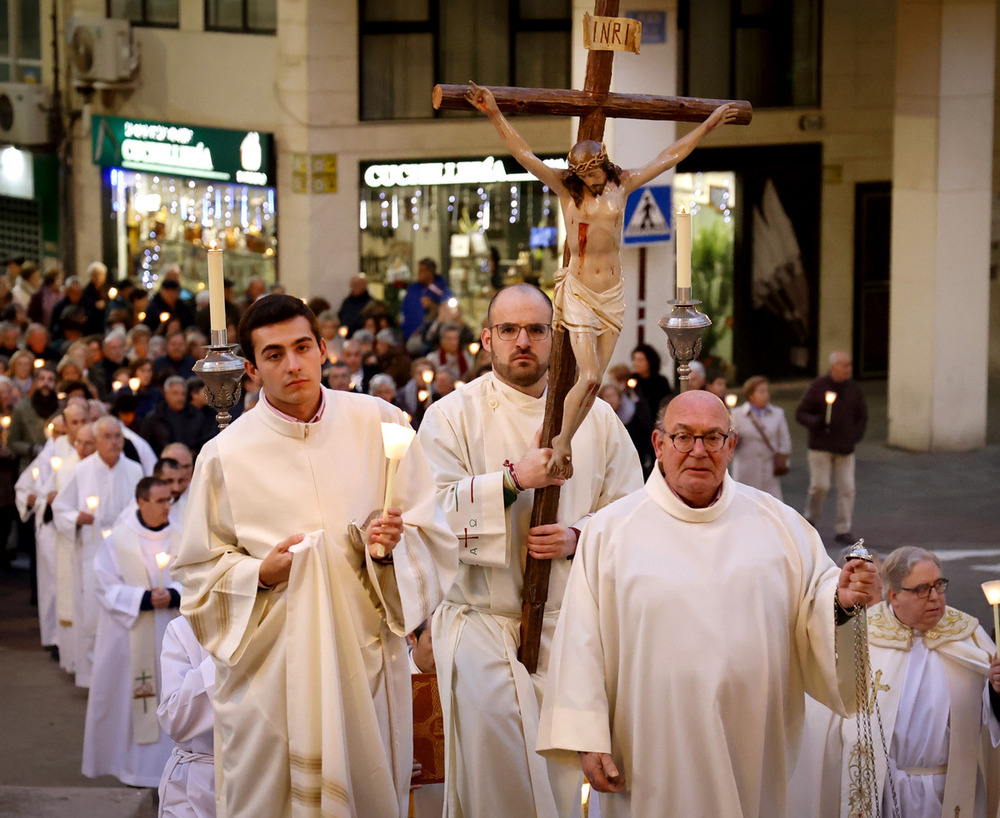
244,157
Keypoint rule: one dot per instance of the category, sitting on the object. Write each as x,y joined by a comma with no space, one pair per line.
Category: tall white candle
683,240
216,290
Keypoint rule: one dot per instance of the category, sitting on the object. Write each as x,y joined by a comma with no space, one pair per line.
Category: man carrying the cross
589,297
483,448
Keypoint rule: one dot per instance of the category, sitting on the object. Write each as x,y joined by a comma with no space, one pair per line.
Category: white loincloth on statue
579,309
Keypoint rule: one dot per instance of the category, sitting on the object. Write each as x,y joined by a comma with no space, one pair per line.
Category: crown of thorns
595,162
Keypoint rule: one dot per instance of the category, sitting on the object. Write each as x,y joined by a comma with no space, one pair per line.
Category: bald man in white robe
698,612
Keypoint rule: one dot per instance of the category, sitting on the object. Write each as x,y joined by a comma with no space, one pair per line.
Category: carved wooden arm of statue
482,100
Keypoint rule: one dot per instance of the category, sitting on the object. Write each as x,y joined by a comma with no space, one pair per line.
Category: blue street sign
649,215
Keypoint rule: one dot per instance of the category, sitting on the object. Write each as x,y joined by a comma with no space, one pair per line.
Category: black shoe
846,539
54,652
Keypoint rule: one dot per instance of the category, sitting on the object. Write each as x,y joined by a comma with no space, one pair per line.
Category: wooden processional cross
593,105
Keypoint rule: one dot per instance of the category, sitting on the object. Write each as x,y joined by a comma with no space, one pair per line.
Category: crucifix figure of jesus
590,294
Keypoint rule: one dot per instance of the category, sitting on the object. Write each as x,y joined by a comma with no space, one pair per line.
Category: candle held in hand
396,441
162,561
830,398
992,591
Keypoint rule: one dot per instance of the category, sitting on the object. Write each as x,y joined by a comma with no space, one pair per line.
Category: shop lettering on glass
483,171
207,153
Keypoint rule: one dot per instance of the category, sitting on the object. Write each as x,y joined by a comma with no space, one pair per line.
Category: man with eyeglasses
482,442
677,707
937,683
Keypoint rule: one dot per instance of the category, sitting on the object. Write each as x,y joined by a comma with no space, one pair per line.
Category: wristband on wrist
510,474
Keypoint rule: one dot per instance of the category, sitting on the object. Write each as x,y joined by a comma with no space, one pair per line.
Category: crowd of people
221,595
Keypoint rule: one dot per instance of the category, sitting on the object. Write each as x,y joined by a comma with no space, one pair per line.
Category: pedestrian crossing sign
648,215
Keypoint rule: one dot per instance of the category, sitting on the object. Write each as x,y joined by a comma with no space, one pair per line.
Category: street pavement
946,502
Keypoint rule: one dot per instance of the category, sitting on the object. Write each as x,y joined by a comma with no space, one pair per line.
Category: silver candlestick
221,370
684,327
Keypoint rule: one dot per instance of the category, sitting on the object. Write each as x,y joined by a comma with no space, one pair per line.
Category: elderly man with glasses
482,442
698,613
936,684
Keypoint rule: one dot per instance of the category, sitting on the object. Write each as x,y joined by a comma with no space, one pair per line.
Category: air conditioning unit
100,50
24,113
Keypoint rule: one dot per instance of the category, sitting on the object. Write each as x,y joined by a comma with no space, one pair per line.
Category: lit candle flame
105,532
39,363
459,384
474,348
134,384
142,316
342,332
631,383
34,473
93,502
732,400
831,397
116,385
396,440
164,317
113,293
5,421
427,376
422,395
992,591
162,560
55,463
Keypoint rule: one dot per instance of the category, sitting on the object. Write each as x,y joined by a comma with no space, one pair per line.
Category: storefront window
166,221
486,222
173,190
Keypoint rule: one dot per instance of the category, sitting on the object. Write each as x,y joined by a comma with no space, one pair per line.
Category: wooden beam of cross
593,105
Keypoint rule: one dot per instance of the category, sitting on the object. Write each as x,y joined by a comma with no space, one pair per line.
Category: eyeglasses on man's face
684,441
510,332
924,591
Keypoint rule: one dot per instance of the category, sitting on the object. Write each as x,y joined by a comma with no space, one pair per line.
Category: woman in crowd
764,441
20,370
651,386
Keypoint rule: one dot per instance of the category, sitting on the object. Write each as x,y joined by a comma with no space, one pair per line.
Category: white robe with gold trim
260,481
935,711
489,700
687,641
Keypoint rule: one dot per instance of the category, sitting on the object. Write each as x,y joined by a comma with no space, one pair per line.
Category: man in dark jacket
833,409
175,420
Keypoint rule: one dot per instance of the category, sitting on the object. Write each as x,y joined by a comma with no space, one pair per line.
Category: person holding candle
677,707
100,487
835,426
269,549
483,444
937,686
589,293
168,300
138,599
